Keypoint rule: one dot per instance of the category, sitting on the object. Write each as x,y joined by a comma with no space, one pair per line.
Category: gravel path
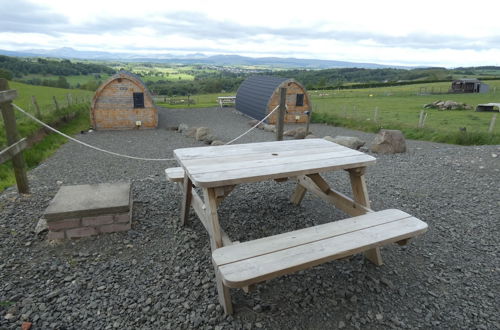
159,276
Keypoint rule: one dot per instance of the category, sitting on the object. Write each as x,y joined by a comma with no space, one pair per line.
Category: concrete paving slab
89,200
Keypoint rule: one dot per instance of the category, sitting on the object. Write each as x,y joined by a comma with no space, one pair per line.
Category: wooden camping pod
123,102
259,95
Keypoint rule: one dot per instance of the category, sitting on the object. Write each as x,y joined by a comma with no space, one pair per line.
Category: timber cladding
122,102
259,95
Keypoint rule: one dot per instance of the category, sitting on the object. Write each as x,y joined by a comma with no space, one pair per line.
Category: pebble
160,275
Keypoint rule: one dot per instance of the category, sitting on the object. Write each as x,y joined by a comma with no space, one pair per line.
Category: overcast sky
438,32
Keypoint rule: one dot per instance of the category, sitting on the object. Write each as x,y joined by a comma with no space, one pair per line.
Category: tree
6,74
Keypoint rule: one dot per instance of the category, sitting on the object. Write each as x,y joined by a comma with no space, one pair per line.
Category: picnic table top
217,166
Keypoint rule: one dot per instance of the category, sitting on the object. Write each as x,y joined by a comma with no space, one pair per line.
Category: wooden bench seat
174,174
263,259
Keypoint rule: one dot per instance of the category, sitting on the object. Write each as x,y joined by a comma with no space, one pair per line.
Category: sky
424,33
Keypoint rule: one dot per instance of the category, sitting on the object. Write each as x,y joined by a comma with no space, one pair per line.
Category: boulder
217,143
269,128
311,136
201,133
300,133
347,141
290,132
209,138
190,132
182,128
389,142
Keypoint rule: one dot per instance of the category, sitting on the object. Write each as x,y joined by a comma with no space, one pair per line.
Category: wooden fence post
37,107
12,135
375,115
281,115
492,123
55,102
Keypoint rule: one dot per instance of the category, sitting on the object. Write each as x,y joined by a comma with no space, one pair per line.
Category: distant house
468,86
259,95
123,102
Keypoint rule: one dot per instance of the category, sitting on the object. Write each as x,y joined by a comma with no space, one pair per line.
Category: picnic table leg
186,199
298,194
360,195
210,197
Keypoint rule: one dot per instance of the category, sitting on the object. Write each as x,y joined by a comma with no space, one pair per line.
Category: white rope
127,156
88,145
253,127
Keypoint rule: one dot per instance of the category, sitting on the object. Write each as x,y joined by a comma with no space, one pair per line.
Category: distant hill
198,58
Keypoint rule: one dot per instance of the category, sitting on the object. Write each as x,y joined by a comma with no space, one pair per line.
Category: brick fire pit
86,210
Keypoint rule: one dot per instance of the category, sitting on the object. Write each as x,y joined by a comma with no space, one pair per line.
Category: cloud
22,16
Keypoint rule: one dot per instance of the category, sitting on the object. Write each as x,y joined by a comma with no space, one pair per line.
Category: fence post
12,135
37,107
68,96
421,119
375,115
55,102
492,123
281,115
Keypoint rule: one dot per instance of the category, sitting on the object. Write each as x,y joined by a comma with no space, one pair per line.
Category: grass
200,101
45,148
399,107
26,127
44,96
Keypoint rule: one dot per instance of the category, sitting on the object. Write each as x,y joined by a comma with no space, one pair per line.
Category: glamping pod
259,95
123,102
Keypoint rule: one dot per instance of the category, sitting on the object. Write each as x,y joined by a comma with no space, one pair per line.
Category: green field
399,108
27,127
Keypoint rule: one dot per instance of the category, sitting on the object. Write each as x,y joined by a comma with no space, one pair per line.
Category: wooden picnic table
217,170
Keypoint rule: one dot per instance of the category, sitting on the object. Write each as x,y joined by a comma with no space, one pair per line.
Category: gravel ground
159,275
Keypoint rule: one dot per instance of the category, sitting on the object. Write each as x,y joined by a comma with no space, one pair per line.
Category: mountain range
197,58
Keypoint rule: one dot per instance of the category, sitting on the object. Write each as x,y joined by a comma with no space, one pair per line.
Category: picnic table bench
216,171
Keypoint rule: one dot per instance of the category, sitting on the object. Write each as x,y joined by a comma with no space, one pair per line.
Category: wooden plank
13,150
268,266
336,198
8,95
360,194
186,199
174,174
298,194
251,148
269,171
291,239
200,210
212,218
265,155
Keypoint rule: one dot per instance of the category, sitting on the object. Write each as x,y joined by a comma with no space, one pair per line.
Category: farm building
123,102
468,86
258,95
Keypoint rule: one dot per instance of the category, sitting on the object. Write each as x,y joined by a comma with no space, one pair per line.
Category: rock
209,138
191,132
341,325
9,316
311,136
389,142
347,141
182,128
269,128
201,133
217,143
253,122
26,326
300,133
290,132
41,226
